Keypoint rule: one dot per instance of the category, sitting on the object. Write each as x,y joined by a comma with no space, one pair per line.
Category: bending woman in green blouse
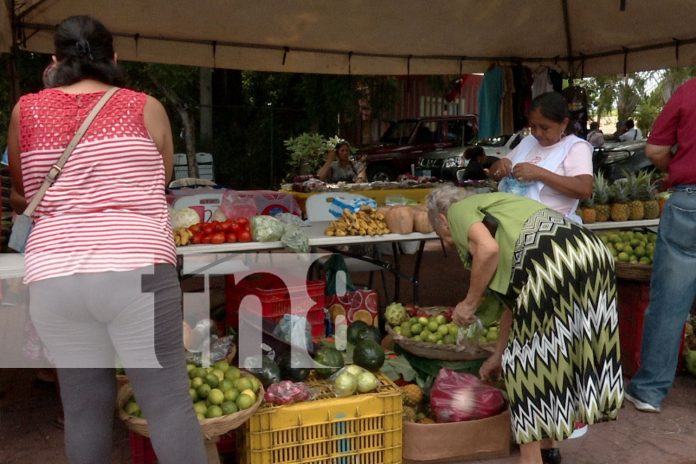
559,346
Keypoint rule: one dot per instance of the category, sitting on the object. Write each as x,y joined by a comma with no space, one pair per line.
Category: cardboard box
457,441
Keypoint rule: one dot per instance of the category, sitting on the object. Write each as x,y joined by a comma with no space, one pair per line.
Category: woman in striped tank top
100,261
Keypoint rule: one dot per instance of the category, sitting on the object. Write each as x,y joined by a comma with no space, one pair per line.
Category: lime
417,338
203,390
196,382
216,396
189,368
226,384
200,407
232,373
243,383
212,380
255,383
623,256
200,372
639,251
229,407
433,326
244,401
441,319
416,328
249,393
200,416
453,329
222,365
231,394
132,408
450,339
193,394
219,374
443,330
213,411
432,338
423,320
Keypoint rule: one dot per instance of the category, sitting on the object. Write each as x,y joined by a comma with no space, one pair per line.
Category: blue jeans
672,292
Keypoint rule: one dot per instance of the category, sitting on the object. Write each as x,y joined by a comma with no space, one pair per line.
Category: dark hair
552,106
594,125
84,49
630,124
474,152
340,144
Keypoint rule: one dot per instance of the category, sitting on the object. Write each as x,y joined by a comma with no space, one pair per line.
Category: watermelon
353,329
368,354
329,360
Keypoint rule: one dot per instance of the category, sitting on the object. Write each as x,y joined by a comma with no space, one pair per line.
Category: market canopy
393,37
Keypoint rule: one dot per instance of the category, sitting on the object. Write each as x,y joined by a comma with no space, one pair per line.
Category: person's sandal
551,456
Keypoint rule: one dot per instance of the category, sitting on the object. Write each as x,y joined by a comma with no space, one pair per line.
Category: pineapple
601,198
635,205
647,192
587,211
620,209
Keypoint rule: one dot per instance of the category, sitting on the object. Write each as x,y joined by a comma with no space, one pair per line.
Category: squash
421,222
400,219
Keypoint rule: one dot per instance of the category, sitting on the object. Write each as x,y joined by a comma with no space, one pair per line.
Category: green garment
511,212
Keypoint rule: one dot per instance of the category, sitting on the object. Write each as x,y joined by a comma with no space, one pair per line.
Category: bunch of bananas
182,236
367,221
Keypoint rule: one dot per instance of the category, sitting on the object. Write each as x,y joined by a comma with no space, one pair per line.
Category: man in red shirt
671,147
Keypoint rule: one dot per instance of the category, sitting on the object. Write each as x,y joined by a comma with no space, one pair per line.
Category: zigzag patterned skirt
561,365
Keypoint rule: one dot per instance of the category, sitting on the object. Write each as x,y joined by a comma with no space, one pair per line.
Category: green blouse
511,212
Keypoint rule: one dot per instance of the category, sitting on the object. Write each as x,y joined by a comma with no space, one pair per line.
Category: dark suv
616,159
405,140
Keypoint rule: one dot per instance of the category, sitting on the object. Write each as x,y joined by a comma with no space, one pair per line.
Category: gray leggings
85,320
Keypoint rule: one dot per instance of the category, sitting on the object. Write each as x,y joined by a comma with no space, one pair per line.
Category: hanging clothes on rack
577,106
490,96
522,100
508,112
541,81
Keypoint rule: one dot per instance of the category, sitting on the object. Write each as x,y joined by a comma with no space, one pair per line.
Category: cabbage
184,217
267,228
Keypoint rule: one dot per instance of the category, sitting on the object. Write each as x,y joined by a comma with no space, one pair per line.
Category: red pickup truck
405,140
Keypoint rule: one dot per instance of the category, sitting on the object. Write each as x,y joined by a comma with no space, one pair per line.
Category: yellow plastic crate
364,428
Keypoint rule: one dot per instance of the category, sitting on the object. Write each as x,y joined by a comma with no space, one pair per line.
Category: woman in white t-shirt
548,166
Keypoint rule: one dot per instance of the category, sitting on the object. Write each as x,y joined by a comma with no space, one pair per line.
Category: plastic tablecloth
416,195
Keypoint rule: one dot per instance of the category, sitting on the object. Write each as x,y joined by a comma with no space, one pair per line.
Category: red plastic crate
275,298
633,298
142,452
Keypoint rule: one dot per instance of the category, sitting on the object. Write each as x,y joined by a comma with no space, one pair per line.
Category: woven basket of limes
224,397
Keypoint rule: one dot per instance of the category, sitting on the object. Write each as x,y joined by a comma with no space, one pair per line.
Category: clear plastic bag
458,396
267,229
295,239
287,392
294,330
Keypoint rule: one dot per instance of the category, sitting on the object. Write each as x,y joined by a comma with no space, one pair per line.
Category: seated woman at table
559,344
474,168
340,168
548,166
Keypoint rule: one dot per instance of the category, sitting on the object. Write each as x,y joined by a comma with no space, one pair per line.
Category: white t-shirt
631,134
577,162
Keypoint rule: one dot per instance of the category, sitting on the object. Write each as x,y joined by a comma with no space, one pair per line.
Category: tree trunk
188,123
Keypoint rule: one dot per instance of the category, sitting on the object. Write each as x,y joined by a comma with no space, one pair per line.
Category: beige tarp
380,36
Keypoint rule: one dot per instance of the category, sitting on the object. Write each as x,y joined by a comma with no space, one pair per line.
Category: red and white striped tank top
107,211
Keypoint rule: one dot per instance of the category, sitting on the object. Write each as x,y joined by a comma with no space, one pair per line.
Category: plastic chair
317,209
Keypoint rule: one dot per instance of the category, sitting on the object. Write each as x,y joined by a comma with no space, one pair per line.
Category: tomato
230,237
244,236
196,239
242,221
196,228
234,227
227,225
206,238
208,228
217,237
